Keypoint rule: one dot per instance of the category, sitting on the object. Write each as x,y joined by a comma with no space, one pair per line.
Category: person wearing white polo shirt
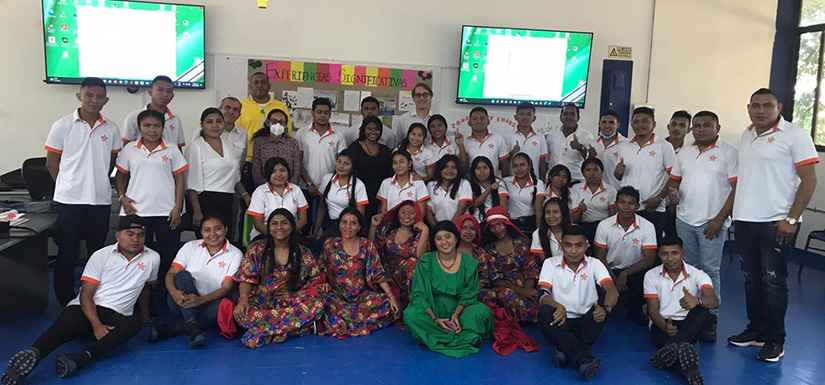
200,277
525,139
547,238
339,190
423,157
571,316
568,145
593,201
776,181
319,144
526,194
150,184
626,244
276,193
677,129
369,107
161,93
703,183
608,146
450,194
114,279
402,187
80,153
440,143
491,145
678,297
645,163
422,95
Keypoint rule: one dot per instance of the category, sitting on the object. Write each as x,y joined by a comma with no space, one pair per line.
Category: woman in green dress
444,312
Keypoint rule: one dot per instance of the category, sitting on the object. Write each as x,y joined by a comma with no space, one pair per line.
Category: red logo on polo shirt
331,144
491,146
172,127
417,158
141,266
535,143
604,199
222,264
583,276
104,138
712,158
410,194
615,154
635,241
771,139
652,153
164,158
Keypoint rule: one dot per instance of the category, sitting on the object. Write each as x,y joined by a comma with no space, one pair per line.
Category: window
809,86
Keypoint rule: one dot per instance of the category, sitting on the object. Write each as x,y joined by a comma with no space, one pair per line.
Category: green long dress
442,292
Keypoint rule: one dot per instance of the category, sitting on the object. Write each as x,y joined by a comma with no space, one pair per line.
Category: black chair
813,236
38,180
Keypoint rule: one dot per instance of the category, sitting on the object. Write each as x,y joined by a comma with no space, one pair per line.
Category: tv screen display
125,43
506,66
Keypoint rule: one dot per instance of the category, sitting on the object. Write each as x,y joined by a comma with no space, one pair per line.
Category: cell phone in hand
450,325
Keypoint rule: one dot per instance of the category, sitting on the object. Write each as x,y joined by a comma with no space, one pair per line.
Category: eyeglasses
421,95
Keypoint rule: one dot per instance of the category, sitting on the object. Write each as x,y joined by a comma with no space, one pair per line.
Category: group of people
420,227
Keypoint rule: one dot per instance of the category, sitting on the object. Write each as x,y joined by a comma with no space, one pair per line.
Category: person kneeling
114,277
200,276
679,297
570,316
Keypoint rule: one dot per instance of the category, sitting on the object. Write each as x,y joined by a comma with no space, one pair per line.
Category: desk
24,264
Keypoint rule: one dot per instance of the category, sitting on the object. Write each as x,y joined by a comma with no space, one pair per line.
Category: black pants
334,230
526,224
249,185
590,233
574,337
670,221
658,219
689,329
216,203
765,265
634,296
73,324
75,223
165,241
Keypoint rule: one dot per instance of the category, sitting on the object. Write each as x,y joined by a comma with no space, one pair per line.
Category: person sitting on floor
200,276
469,242
571,315
679,298
114,279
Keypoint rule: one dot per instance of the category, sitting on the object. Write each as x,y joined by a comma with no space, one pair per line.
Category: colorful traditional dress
515,268
399,260
356,304
483,258
442,292
269,320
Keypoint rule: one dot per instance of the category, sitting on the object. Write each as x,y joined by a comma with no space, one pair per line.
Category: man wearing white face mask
272,141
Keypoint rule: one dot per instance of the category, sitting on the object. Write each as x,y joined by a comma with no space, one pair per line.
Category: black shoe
589,366
637,316
66,364
747,338
196,337
665,357
708,333
688,359
560,358
771,352
159,332
20,365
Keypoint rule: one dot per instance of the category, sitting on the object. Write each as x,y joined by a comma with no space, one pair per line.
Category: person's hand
440,322
592,152
688,301
673,195
394,304
495,185
178,296
620,169
421,227
192,301
246,199
559,316
416,177
282,295
102,330
197,217
653,203
784,232
670,329
313,191
582,206
242,309
454,318
376,219
128,205
532,294
713,228
459,139
599,313
314,233
516,149
324,287
621,282
575,144
174,218
146,318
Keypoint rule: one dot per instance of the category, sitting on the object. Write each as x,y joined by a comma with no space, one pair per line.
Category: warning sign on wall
618,52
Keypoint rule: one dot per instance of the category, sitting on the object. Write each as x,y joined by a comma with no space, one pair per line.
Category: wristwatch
791,221
608,309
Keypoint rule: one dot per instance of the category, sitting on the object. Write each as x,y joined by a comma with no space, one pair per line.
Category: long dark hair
264,131
406,141
440,166
403,152
475,184
270,164
354,211
544,228
396,223
532,174
362,131
207,112
268,259
565,190
352,179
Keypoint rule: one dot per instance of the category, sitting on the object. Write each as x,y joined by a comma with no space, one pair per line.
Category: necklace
367,148
444,265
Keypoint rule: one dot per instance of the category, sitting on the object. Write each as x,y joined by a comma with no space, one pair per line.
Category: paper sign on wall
619,52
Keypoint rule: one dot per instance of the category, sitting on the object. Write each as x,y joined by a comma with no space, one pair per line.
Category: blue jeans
703,253
765,265
206,315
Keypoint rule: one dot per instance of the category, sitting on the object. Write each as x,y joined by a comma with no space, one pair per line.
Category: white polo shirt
520,202
648,167
351,133
319,151
439,151
208,170
151,177
337,198
768,180
575,290
422,160
85,155
444,207
659,285
172,128
493,146
705,181
532,144
401,124
598,203
393,194
555,245
609,153
488,203
265,200
624,248
238,138
208,271
119,281
560,151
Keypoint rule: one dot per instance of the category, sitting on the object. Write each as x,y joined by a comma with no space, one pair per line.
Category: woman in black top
373,160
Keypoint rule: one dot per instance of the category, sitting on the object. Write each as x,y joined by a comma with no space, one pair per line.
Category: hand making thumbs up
599,313
620,168
670,329
673,195
688,301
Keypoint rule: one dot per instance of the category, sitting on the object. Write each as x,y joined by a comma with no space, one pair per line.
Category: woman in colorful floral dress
469,242
513,270
358,298
277,278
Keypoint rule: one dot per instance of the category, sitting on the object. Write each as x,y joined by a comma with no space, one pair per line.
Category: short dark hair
321,102
595,161
424,86
437,118
628,191
370,99
362,130
259,73
710,114
610,113
232,98
443,226
161,78
210,111
681,114
573,230
765,91
479,109
93,82
215,216
644,110
145,114
671,240
525,106
578,112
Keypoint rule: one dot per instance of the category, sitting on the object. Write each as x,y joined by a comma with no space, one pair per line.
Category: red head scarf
465,217
500,214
